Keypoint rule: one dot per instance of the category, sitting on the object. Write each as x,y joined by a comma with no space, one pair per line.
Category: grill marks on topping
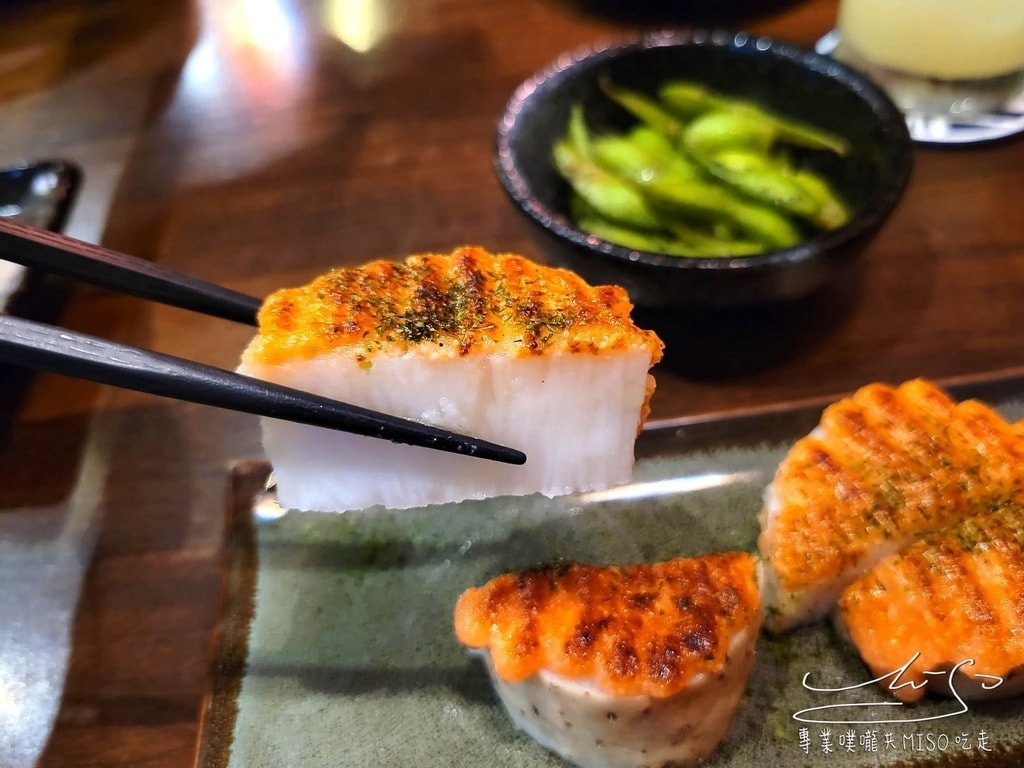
457,304
886,464
954,595
905,510
634,629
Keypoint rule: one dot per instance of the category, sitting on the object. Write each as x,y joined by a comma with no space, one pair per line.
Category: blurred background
257,143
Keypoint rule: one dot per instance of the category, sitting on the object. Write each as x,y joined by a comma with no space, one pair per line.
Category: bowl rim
899,149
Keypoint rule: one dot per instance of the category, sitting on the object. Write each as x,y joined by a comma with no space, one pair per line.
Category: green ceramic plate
336,645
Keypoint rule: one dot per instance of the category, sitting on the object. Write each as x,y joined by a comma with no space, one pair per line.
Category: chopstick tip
496,452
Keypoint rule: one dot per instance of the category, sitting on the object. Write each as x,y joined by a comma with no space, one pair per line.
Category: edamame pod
615,232
646,241
639,157
712,183
663,153
677,239
577,135
715,131
644,108
757,177
767,226
832,211
624,158
710,203
711,245
687,99
610,196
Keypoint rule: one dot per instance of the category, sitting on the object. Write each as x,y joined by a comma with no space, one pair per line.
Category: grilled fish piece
620,666
489,345
948,612
883,468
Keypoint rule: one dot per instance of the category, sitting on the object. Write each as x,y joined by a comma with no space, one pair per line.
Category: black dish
779,75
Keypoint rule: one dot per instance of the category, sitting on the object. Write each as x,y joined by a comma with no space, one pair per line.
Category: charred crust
631,629
586,635
701,642
625,661
468,300
664,664
641,601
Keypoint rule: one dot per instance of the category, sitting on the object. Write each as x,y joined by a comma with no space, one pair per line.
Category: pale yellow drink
945,39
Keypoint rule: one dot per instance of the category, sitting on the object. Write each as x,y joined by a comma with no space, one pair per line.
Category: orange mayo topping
640,629
470,301
887,464
953,597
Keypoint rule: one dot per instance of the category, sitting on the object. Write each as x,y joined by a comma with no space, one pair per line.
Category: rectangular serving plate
335,643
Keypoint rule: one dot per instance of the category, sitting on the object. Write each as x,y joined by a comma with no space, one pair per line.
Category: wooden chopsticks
78,260
58,350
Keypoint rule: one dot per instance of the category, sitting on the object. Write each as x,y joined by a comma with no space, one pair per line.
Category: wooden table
256,144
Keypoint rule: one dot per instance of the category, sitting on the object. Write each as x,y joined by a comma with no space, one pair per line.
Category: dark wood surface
256,144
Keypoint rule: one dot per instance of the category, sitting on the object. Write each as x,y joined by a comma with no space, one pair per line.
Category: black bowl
784,77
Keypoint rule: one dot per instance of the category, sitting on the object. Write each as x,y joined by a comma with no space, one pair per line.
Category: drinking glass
955,59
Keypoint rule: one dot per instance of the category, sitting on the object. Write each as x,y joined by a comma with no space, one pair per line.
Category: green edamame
700,175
